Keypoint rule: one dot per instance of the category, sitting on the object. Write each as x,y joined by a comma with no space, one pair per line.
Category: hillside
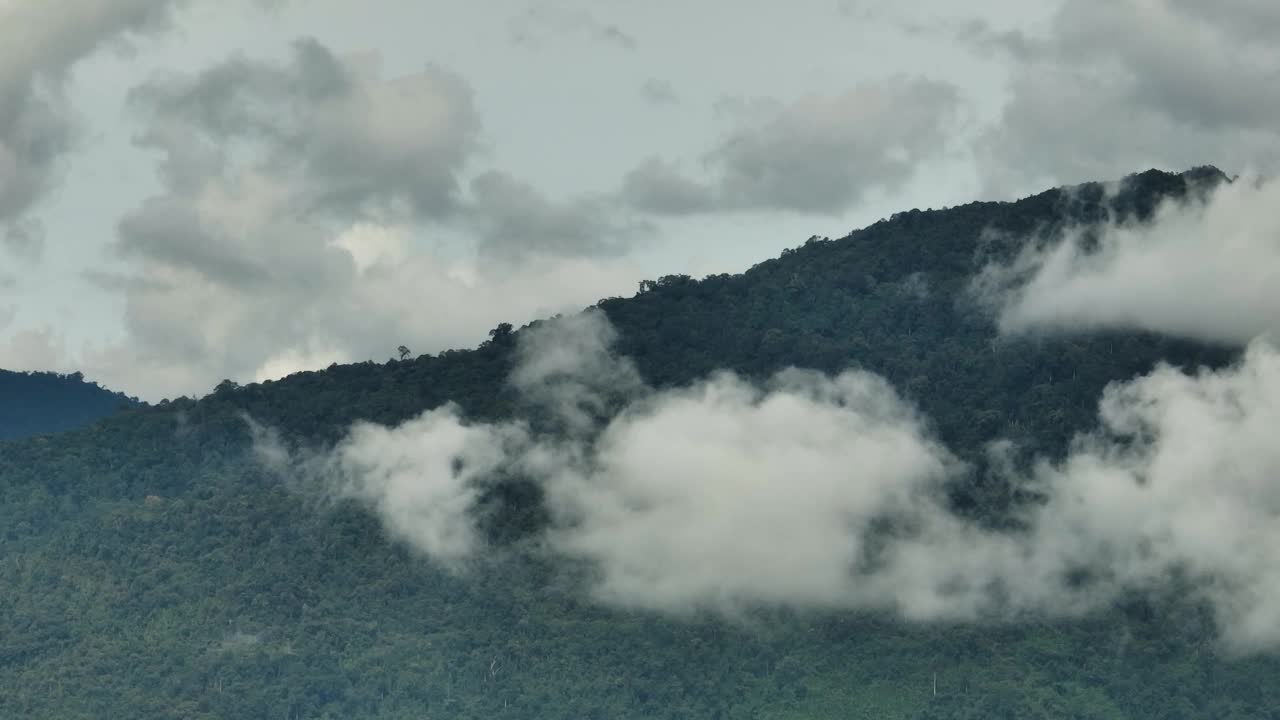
41,403
152,567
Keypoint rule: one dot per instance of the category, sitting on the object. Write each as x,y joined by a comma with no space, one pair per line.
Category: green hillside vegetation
150,567
46,402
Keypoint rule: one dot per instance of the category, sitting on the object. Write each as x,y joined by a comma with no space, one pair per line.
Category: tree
404,352
501,334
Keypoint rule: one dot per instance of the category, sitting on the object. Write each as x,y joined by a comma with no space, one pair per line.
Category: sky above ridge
194,190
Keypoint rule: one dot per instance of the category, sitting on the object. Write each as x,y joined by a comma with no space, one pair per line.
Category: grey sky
198,190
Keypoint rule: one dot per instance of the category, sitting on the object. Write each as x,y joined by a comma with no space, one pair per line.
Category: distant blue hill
37,403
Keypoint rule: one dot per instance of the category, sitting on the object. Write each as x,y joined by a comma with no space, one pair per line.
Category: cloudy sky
194,190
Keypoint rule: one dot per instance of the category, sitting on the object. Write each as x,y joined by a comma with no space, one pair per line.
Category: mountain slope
150,566
39,403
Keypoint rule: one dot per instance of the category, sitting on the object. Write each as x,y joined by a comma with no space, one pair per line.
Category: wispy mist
1180,482
423,477
1203,269
566,368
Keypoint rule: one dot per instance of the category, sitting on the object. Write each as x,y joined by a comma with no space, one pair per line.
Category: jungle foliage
151,568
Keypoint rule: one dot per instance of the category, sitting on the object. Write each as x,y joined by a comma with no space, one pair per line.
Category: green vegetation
150,568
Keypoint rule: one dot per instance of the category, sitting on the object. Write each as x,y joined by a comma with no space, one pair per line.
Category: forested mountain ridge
151,567
45,402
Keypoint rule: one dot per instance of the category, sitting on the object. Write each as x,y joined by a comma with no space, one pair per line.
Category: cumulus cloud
1204,268
353,141
1136,83
310,213
820,154
39,45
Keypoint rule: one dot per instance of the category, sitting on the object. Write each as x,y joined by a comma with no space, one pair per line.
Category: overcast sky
194,190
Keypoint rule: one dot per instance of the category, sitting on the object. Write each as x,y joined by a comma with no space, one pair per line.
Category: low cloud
1178,485
726,496
424,477
826,493
567,366
1205,269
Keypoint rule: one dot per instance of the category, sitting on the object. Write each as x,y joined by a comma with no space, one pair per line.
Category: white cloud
1208,270
39,45
308,215
347,139
1179,484
1115,87
293,360
31,350
371,245
723,496
424,477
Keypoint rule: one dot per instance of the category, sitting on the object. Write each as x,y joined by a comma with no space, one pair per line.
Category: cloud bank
1110,87
726,496
310,214
818,492
1202,269
40,43
820,154
1180,482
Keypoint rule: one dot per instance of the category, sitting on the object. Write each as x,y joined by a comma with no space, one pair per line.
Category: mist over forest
915,450
555,359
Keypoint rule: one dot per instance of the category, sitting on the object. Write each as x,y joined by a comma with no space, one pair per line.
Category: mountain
152,566
45,402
